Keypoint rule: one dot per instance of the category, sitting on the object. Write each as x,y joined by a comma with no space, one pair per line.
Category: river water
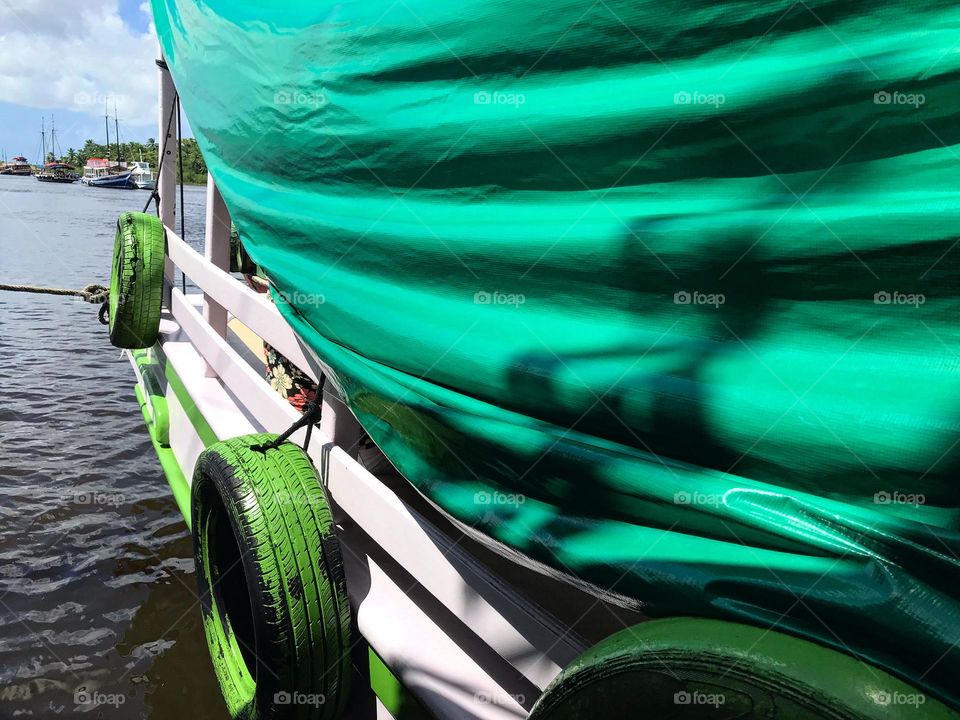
98,605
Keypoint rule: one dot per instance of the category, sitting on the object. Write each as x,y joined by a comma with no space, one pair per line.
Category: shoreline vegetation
194,168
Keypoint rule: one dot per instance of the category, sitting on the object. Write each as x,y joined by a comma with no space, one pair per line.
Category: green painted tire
697,669
275,608
136,282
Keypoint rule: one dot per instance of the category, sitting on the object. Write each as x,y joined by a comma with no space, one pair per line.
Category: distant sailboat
98,171
54,170
19,166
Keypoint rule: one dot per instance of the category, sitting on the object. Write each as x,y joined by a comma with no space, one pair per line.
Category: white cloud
65,54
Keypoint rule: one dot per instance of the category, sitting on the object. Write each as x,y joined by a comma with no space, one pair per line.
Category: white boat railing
537,649
462,640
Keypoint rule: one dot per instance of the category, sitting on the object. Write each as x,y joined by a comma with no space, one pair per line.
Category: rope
95,294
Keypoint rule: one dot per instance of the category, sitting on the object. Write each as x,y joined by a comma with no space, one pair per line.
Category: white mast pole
216,249
167,175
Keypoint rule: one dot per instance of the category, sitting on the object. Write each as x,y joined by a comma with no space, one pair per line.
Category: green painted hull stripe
151,371
395,697
176,478
171,468
199,422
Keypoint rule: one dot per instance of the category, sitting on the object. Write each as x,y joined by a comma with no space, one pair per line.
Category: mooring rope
93,294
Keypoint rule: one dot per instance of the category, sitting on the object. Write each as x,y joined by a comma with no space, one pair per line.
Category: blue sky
133,15
65,58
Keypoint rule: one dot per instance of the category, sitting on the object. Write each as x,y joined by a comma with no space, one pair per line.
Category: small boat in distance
99,172
93,169
143,176
53,170
57,172
18,166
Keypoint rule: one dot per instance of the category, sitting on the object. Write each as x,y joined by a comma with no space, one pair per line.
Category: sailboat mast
43,142
116,122
53,137
106,124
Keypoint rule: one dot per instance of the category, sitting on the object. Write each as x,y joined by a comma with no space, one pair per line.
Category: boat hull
62,180
123,181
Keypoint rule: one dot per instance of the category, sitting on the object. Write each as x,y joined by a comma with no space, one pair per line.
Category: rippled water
97,590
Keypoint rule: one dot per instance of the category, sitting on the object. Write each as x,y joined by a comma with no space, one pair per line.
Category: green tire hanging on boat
698,668
136,282
275,608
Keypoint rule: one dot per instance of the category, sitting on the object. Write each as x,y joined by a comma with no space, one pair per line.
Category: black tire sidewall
240,486
216,491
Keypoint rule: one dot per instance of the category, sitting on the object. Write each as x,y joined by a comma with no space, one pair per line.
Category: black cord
183,226
311,416
155,195
183,214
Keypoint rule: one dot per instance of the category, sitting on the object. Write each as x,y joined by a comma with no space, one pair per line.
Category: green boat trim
199,422
396,698
179,486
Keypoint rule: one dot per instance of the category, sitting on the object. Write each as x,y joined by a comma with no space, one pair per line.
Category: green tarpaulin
664,295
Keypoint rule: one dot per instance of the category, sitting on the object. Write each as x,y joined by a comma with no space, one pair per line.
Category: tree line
194,168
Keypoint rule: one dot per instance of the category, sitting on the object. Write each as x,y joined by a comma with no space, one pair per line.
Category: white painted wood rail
488,609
